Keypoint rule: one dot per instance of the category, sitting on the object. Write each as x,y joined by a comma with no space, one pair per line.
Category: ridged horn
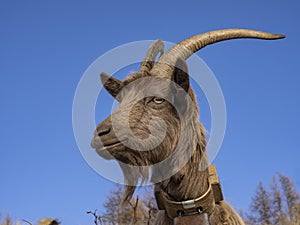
186,48
148,61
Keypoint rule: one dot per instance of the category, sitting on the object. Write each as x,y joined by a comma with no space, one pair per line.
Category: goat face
145,128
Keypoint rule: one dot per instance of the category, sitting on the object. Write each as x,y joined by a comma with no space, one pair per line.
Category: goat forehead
132,77
141,86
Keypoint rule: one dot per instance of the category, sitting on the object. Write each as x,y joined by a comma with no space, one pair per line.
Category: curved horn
191,45
148,61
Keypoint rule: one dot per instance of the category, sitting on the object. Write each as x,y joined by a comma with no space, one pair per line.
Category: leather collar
203,204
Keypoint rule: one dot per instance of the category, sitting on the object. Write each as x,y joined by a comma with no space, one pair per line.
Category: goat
45,221
158,120
48,221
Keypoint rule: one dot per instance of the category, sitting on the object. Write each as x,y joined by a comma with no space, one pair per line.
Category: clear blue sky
47,45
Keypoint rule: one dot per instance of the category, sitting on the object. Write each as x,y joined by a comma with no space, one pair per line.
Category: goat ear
180,74
112,85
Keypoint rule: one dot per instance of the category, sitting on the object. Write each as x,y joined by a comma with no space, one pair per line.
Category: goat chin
104,154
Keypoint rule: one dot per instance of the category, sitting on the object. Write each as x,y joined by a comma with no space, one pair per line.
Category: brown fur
48,221
183,130
190,181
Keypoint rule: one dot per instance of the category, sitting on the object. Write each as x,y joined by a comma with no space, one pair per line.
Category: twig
149,216
96,217
27,222
134,207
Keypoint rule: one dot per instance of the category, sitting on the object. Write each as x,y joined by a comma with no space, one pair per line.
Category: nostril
103,131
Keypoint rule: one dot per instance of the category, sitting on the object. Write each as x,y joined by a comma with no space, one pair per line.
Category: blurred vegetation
278,204
6,220
137,211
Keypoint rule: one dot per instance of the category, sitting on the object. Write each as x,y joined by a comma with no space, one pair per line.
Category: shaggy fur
48,221
130,134
190,181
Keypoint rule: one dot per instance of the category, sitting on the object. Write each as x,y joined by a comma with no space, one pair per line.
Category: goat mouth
112,145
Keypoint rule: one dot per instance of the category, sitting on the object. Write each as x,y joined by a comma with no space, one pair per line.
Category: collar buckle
189,204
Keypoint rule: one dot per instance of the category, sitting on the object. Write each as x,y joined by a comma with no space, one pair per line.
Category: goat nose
103,131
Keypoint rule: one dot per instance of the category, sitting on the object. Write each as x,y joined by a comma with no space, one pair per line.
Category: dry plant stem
27,222
134,207
96,217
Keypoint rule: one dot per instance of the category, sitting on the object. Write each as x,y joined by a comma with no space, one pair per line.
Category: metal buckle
189,204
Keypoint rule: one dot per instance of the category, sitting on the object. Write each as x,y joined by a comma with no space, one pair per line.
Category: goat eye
158,100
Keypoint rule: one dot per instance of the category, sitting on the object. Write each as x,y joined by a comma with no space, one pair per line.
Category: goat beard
141,161
135,164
